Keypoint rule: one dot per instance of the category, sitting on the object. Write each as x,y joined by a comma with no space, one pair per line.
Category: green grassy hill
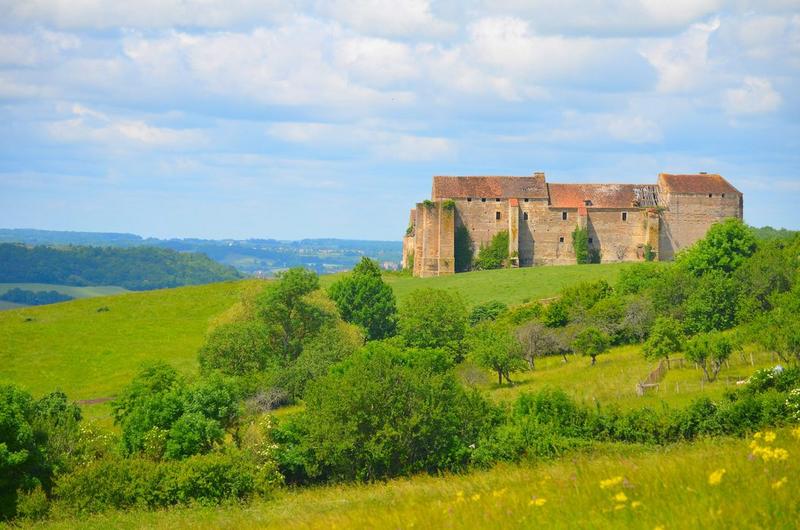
669,488
71,290
91,354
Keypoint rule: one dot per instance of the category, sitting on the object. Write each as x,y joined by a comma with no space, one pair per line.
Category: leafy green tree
712,304
725,247
19,454
639,277
495,348
290,316
463,249
237,348
377,417
433,318
486,311
364,299
665,338
709,351
590,342
191,434
555,315
495,254
580,244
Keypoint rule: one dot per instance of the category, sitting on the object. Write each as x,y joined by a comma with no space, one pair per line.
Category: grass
511,286
71,290
614,378
662,487
90,354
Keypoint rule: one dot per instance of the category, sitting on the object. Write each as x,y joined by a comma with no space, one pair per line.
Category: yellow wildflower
636,504
499,493
796,433
758,435
610,483
716,477
770,436
621,497
780,454
619,507
537,502
476,497
778,484
460,496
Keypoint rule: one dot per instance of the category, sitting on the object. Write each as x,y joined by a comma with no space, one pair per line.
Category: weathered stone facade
622,219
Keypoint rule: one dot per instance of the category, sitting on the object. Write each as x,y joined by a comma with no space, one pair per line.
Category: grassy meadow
710,484
71,290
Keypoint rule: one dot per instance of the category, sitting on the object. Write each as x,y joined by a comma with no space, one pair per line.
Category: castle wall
618,240
481,221
688,217
434,236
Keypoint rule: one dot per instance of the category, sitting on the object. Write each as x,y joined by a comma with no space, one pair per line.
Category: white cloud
682,62
387,17
92,126
375,61
754,96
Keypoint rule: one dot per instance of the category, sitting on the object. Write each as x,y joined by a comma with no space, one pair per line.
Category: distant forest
261,257
135,268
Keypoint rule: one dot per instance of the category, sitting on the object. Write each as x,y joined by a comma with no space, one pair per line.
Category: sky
304,119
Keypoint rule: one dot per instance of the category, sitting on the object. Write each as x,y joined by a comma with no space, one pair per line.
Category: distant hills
261,257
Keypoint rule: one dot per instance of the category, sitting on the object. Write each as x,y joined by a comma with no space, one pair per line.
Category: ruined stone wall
481,221
618,240
434,234
552,236
687,218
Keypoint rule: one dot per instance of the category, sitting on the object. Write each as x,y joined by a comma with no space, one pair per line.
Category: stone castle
625,222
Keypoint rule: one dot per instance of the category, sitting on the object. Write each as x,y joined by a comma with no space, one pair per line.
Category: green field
71,290
92,354
511,286
669,488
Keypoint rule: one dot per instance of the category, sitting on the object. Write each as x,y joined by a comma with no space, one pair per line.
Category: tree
18,451
712,304
364,299
537,341
666,338
237,348
495,254
725,247
433,318
580,244
487,311
555,314
497,349
709,351
590,342
290,316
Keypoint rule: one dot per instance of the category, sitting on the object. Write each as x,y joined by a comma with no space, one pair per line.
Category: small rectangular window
526,200
483,199
561,239
524,216
710,194
497,215
497,200
624,216
723,195
469,199
591,240
563,216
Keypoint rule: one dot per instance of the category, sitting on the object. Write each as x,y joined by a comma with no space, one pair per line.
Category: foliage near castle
385,390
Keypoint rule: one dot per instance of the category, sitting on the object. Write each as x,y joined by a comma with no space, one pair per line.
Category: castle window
524,216
497,200
561,239
497,215
723,195
591,240
624,216
483,199
563,216
469,199
710,194
526,200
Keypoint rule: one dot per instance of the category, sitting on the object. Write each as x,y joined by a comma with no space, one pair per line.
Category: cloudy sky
259,118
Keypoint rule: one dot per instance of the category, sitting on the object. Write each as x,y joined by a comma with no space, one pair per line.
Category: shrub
555,314
496,349
666,338
236,348
709,351
590,342
725,247
580,244
433,318
712,304
463,249
487,311
495,254
364,299
639,277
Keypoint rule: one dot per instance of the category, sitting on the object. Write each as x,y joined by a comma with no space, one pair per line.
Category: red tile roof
702,183
603,195
494,187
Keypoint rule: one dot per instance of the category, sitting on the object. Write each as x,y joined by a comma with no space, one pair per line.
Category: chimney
703,173
539,174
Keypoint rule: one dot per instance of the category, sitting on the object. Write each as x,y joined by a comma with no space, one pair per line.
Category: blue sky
252,118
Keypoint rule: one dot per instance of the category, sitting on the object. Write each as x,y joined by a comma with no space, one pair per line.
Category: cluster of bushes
27,297
135,268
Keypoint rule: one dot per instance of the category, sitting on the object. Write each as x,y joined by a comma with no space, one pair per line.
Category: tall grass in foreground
712,483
